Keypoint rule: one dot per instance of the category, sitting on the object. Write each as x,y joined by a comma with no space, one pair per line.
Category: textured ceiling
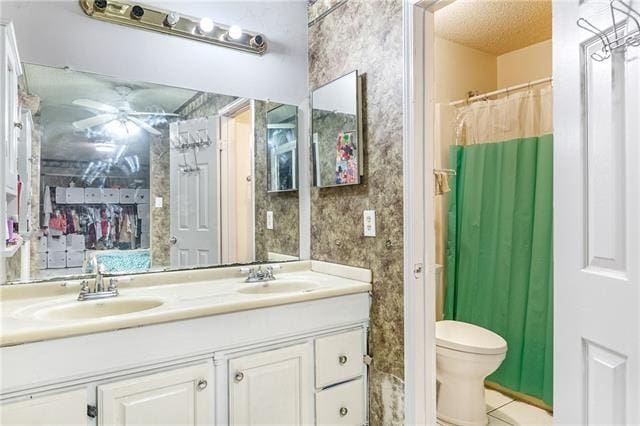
495,26
58,88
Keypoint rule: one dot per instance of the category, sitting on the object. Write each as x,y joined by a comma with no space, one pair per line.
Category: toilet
465,355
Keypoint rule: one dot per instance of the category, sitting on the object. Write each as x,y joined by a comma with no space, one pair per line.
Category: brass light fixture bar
138,15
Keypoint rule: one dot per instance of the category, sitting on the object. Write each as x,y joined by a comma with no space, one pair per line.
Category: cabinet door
183,396
65,408
273,387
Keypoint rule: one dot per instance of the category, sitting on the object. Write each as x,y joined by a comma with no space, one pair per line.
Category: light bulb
205,25
235,32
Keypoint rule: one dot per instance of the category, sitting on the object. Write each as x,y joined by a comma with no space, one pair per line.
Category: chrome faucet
259,275
98,290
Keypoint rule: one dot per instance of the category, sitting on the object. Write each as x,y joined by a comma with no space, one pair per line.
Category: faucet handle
84,286
113,284
101,269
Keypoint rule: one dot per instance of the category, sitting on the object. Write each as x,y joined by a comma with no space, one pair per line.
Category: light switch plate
158,203
369,223
269,220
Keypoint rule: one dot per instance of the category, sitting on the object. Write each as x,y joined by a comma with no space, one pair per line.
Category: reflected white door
194,200
597,217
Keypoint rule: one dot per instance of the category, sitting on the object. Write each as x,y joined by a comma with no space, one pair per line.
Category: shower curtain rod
484,96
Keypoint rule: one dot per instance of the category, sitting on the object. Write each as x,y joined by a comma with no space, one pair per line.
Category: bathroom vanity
190,347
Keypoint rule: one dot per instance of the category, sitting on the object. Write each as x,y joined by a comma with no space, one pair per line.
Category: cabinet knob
239,376
173,240
202,384
343,411
342,359
18,124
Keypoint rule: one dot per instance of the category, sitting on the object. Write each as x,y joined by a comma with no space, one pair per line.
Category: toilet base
462,402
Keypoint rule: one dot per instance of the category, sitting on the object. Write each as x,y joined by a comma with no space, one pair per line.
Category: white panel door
195,229
178,397
597,216
273,387
68,408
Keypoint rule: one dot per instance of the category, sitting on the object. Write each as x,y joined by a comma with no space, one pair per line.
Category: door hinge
417,270
92,411
367,359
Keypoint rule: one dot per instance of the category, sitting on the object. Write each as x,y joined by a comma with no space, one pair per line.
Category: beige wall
524,65
460,69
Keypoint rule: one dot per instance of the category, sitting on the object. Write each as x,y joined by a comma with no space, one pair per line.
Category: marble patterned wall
284,238
366,36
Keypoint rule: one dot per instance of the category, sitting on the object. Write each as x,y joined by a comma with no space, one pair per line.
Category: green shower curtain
499,254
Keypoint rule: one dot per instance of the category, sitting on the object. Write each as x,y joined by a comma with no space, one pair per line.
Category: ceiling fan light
104,147
121,129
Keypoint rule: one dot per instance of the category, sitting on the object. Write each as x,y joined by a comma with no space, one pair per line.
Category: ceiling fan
120,113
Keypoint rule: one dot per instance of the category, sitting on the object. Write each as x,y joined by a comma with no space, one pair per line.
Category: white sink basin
276,287
98,308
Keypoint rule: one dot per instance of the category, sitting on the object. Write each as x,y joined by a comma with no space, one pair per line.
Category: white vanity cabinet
296,364
272,387
181,396
68,407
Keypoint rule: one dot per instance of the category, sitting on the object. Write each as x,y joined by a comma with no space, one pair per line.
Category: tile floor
503,411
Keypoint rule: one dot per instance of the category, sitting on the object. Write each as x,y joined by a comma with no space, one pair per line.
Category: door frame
418,211
229,111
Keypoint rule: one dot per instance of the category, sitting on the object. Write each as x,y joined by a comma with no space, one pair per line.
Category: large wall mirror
142,177
337,133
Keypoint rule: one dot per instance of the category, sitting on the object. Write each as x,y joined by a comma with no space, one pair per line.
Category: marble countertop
181,295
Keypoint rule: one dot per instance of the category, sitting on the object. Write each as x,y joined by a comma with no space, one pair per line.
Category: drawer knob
342,359
343,411
239,376
202,384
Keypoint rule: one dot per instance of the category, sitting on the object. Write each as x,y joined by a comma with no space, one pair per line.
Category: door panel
194,195
596,208
177,397
273,387
67,408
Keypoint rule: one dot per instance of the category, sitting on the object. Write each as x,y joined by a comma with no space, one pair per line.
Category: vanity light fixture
150,18
235,32
171,19
206,25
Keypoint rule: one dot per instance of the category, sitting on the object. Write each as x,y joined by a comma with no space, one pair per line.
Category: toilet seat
469,338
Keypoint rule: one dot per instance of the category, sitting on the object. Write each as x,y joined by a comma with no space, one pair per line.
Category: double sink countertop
43,311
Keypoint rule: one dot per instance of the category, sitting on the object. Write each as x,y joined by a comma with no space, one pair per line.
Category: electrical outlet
158,203
369,223
269,220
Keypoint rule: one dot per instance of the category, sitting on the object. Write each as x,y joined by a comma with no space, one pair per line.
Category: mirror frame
359,132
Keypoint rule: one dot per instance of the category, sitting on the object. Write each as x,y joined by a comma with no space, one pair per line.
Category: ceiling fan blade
99,106
144,125
163,114
93,121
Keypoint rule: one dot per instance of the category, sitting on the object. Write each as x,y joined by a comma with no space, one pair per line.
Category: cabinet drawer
56,259
55,243
110,195
74,195
92,195
341,405
339,357
142,196
127,196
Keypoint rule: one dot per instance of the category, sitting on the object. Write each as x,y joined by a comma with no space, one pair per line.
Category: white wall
58,33
524,65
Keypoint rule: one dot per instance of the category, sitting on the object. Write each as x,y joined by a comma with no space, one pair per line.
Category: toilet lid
465,337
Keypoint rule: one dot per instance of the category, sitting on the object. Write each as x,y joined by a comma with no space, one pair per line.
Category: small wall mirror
336,129
282,148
